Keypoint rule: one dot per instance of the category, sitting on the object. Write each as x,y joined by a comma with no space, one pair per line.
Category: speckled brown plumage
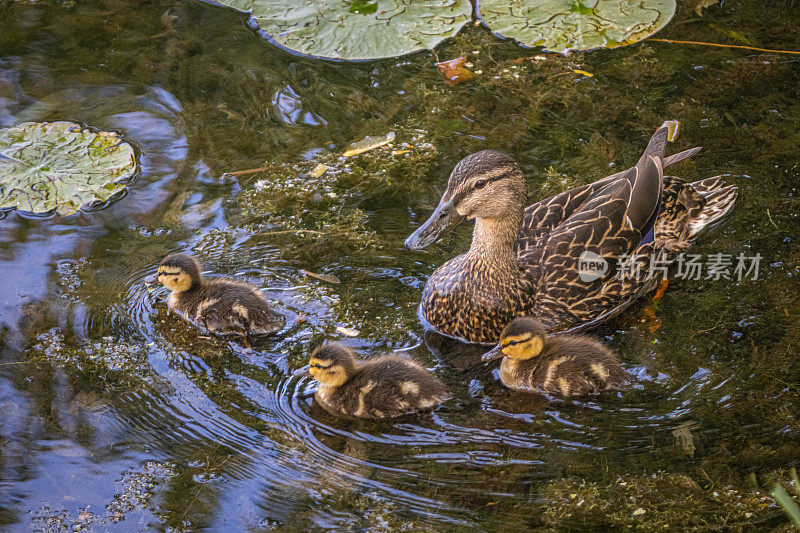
383,387
524,261
568,365
220,306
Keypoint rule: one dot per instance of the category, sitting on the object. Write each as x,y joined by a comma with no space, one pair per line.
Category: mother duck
533,261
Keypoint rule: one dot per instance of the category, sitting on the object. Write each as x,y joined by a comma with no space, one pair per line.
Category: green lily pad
60,167
357,29
564,25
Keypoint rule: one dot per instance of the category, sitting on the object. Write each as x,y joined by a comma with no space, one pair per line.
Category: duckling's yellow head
331,364
523,338
179,272
487,184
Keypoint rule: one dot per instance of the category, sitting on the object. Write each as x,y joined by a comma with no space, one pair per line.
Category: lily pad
357,29
564,25
61,167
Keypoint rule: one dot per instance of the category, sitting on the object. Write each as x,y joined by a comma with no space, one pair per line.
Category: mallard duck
384,387
566,365
221,306
527,261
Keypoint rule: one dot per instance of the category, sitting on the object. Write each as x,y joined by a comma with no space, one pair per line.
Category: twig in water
244,172
770,219
285,231
726,46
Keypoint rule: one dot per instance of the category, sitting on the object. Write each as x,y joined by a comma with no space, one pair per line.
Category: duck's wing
646,180
565,297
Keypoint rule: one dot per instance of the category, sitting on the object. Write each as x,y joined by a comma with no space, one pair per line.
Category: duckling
384,387
565,365
222,306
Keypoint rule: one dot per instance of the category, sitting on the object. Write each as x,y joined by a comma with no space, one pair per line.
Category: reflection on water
96,378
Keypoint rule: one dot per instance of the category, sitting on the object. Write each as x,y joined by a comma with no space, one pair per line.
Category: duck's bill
494,353
440,222
303,372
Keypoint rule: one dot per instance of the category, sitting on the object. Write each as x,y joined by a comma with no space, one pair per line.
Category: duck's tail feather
657,145
689,209
680,156
719,200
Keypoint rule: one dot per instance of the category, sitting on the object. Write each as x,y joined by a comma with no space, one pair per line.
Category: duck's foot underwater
649,317
662,288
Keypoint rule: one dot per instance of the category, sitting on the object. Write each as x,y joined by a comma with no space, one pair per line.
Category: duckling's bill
443,219
494,353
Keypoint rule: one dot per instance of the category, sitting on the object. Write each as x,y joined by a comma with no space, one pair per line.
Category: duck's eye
480,184
512,343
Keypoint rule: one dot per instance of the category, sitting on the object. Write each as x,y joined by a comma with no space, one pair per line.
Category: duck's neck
493,239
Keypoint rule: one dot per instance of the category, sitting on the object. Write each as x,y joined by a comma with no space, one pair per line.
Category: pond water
114,415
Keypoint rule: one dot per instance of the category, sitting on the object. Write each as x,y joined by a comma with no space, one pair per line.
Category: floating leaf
318,170
357,29
454,71
60,167
368,143
350,332
563,25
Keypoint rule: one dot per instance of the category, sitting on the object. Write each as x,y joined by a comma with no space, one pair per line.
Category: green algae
322,215
652,503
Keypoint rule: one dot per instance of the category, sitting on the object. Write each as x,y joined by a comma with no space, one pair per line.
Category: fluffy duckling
565,365
384,387
222,306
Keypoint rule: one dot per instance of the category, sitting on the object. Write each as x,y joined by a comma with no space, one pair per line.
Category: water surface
100,388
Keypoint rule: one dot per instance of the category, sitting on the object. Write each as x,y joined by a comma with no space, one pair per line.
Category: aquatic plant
367,29
357,29
786,502
61,167
564,25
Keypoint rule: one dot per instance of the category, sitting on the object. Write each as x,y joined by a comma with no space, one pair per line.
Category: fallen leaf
368,143
350,332
330,278
639,512
579,71
400,152
454,71
318,171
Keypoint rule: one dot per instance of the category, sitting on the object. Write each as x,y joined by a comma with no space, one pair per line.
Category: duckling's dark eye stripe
317,365
165,273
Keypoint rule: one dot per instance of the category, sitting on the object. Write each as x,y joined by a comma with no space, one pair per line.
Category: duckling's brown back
577,365
233,306
388,387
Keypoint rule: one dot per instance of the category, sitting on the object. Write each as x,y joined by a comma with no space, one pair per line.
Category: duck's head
523,338
331,364
486,184
179,272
